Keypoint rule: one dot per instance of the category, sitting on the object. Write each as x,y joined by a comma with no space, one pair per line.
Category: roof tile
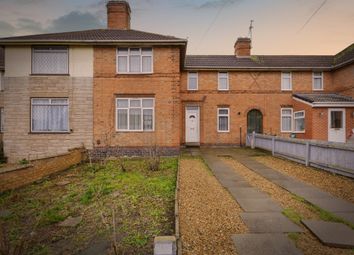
324,98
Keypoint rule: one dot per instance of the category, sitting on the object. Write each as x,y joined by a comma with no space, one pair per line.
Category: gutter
93,42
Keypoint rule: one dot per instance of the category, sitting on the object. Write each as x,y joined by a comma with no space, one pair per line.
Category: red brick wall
163,84
343,80
39,169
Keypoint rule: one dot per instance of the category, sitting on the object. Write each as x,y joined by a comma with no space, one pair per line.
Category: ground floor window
299,121
286,119
223,119
49,115
135,114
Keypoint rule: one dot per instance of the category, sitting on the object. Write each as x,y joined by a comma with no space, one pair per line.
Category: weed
23,162
294,236
292,215
136,240
52,215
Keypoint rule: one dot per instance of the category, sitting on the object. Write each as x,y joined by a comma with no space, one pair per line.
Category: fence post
253,141
307,154
273,146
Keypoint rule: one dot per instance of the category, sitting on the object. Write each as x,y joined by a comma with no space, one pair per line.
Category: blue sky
211,26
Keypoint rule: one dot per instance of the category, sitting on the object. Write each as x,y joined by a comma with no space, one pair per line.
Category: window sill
49,74
286,90
133,74
223,132
299,132
133,131
49,133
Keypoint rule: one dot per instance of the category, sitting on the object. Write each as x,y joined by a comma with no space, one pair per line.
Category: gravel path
208,213
305,241
338,186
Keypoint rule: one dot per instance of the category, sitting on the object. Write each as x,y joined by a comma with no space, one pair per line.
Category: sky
291,27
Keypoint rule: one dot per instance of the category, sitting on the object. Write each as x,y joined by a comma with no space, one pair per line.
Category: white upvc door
336,125
192,124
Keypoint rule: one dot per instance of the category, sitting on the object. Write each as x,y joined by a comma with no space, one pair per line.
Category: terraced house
119,90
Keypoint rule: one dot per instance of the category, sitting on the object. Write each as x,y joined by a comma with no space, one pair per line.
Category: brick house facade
119,90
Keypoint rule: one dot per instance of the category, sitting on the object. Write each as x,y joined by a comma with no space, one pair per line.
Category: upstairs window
192,81
317,82
50,60
223,120
49,115
286,82
223,81
134,60
286,120
135,114
299,121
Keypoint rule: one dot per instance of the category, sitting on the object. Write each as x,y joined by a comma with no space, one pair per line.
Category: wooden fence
334,157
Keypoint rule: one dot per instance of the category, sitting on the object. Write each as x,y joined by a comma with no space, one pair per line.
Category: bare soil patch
208,213
337,185
293,208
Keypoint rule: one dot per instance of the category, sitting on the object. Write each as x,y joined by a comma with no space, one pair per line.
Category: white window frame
197,80
314,76
227,81
51,48
141,60
286,115
142,115
290,80
296,118
50,99
223,115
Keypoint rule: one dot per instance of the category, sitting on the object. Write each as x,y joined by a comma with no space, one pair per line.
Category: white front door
192,124
336,125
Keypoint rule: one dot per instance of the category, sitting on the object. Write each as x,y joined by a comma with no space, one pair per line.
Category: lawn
127,208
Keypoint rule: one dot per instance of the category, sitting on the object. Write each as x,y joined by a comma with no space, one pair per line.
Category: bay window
49,115
134,60
135,114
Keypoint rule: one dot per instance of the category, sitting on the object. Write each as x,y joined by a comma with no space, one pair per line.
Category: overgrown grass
142,201
292,215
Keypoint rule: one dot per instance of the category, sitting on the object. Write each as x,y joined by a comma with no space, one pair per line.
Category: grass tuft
292,215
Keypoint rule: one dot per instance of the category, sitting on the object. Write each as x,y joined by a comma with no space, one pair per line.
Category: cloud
75,21
217,3
28,26
6,29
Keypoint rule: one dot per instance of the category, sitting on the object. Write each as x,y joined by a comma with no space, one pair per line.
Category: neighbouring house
121,91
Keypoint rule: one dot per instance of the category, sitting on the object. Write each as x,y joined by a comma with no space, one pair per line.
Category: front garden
113,207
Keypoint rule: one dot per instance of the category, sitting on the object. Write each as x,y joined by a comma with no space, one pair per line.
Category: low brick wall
103,152
17,176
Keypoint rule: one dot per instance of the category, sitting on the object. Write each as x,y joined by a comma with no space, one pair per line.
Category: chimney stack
118,15
243,47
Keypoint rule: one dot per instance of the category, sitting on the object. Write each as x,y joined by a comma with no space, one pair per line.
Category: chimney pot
243,47
118,15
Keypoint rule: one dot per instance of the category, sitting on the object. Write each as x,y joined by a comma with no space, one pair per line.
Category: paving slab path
338,207
262,215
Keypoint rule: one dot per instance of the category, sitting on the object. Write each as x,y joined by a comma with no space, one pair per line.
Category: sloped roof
258,61
323,98
344,56
93,36
2,59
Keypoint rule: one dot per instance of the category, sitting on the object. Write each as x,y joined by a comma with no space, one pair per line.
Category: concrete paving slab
234,184
290,183
332,205
331,233
259,205
311,193
245,193
346,216
264,244
273,222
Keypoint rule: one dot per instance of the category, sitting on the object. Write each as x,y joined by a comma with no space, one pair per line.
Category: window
286,83
50,60
299,121
1,119
134,60
223,120
286,119
192,81
336,119
317,81
49,115
223,83
135,114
